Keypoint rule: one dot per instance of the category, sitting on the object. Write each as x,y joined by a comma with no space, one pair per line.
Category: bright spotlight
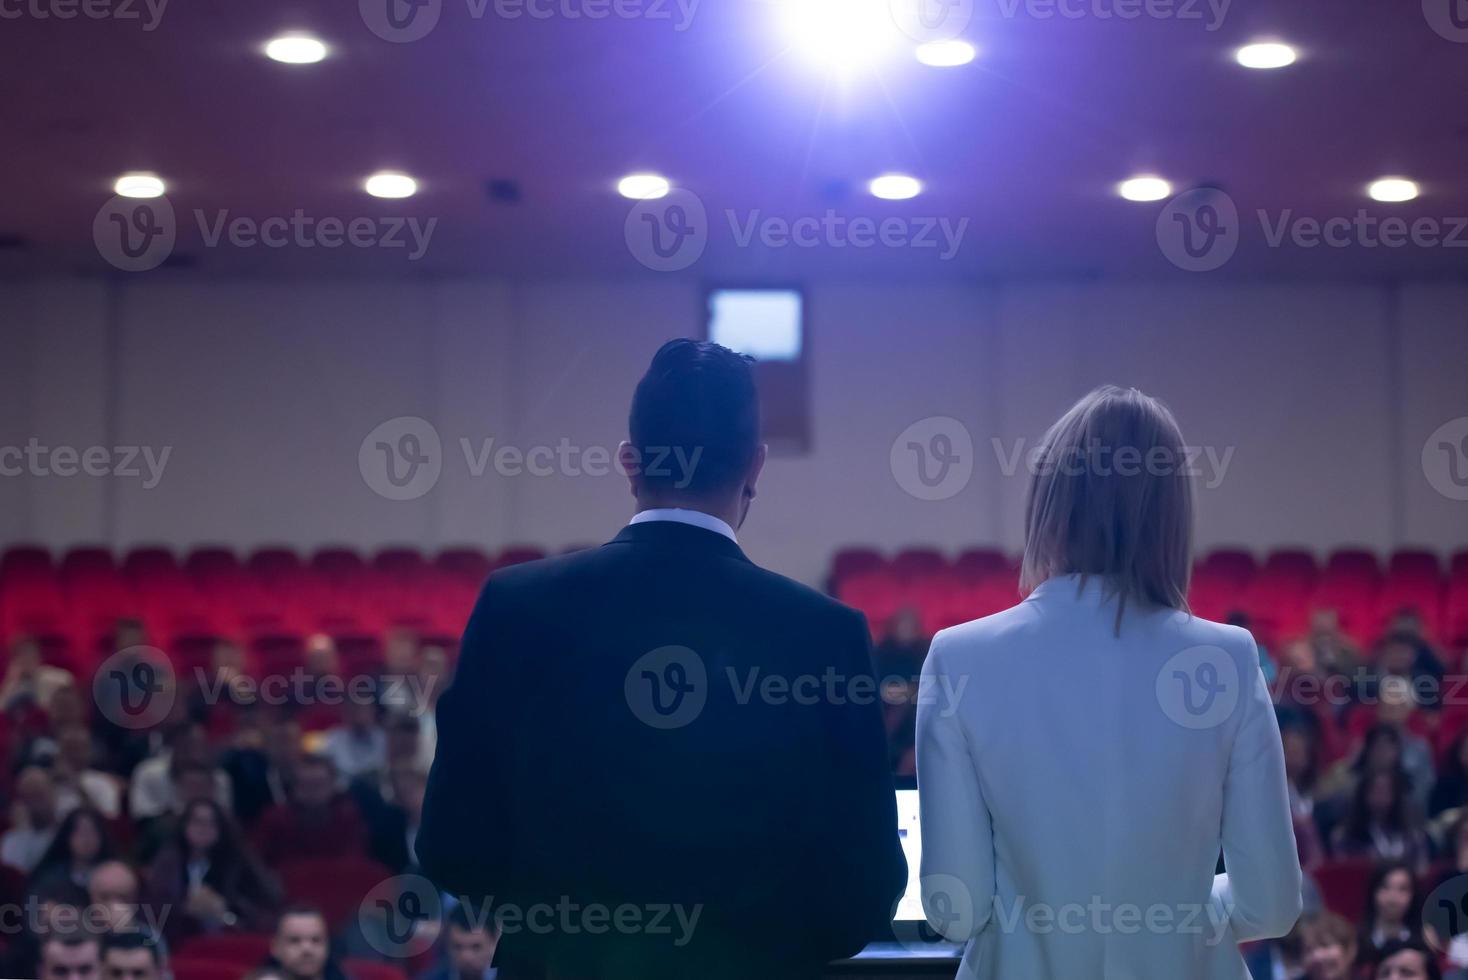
1146,188
295,49
139,185
1265,55
390,185
1393,190
839,34
895,187
643,187
945,54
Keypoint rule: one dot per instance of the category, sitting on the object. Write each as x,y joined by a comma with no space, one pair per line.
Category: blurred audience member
316,822
34,818
1333,650
210,878
70,957
1329,945
1401,654
1383,823
28,680
267,747
77,782
358,746
1407,960
394,820
156,782
1302,763
1393,910
903,648
133,955
301,947
114,888
470,949
82,842
1451,789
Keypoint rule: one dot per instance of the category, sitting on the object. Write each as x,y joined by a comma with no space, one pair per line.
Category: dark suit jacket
768,809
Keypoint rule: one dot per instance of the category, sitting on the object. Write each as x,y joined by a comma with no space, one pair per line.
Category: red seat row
1278,594
73,605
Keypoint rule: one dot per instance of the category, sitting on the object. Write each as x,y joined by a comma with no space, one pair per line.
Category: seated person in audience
1329,944
1383,823
210,878
903,648
34,819
82,842
321,658
1398,710
49,913
191,781
155,789
358,746
433,677
71,957
394,819
114,889
132,954
1278,959
470,947
316,822
1450,792
400,656
1401,654
1380,750
1407,622
28,681
1393,910
301,947
1301,757
67,709
77,782
1407,960
267,745
1334,651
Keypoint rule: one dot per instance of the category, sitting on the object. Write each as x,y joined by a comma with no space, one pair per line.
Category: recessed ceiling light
895,187
643,187
295,49
839,35
945,54
1393,190
391,185
1144,188
139,185
1266,54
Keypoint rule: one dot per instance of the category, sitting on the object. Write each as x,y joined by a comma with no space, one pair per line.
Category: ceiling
1026,143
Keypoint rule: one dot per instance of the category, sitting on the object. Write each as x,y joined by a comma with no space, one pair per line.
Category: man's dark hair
130,939
695,419
1429,959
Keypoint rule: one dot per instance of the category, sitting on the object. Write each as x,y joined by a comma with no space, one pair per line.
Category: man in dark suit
658,759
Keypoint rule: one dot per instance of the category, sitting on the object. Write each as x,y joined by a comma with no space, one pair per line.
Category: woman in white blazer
1084,757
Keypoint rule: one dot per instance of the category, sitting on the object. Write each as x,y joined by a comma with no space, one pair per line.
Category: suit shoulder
976,635
1191,630
798,593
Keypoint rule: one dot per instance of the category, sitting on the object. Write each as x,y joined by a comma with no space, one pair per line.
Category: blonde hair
1111,496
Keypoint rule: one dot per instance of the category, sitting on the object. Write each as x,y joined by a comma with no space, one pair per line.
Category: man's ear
755,468
630,462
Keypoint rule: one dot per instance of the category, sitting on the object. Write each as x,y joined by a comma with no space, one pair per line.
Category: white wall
264,389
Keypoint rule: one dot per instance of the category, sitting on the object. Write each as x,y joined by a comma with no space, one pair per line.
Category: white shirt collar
695,517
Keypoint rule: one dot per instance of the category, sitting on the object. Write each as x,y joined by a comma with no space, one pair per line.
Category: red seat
335,886
337,563
210,561
519,554
360,969
467,563
911,563
189,968
247,949
399,561
1343,885
854,561
143,562
978,564
271,563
